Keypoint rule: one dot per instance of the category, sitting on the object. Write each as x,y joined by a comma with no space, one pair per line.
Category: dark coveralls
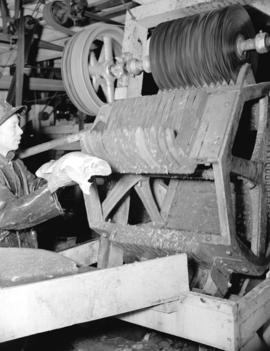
25,201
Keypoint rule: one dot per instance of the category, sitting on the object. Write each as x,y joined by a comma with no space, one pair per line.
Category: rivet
244,269
228,252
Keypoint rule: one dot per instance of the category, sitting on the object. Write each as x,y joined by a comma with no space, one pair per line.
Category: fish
78,167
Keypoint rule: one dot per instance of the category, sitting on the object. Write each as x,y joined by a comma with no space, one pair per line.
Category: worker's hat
7,110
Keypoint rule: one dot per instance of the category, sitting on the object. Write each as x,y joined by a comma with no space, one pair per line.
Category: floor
105,335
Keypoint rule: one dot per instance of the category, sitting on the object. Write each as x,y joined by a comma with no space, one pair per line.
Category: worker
25,200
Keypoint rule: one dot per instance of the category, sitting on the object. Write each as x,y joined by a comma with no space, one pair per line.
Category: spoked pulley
86,63
201,49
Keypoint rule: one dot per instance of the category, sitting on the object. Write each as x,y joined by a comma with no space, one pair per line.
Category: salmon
78,167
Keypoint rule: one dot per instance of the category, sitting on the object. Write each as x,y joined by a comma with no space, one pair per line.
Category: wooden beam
254,311
52,144
8,38
201,318
255,91
224,324
4,15
248,169
39,84
262,5
84,254
150,14
46,305
20,62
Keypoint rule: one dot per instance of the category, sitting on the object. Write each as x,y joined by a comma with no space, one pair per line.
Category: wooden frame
59,302
230,325
224,324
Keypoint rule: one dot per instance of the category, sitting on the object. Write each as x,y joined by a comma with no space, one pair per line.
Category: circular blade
200,49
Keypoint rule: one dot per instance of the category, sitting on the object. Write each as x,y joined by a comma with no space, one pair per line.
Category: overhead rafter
5,15
20,53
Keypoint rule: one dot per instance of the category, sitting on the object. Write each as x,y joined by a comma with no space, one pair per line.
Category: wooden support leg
224,201
109,255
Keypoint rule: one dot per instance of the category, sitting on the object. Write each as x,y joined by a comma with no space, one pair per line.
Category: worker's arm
54,181
28,210
36,206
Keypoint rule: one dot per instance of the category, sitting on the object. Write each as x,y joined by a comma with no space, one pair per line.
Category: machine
187,206
190,162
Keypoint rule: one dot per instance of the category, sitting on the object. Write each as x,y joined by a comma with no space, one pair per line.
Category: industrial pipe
37,149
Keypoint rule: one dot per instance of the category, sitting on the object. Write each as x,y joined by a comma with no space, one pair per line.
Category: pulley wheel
56,14
86,63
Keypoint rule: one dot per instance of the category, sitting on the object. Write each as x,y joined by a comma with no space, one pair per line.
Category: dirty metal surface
147,241
160,134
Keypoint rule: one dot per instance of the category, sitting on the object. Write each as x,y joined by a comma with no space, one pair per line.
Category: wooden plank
153,238
39,84
116,256
262,5
191,120
254,91
134,42
254,311
144,192
65,141
159,190
109,255
224,201
21,56
251,170
219,112
92,3
153,13
84,254
118,192
204,319
122,214
93,206
103,252
56,303
259,219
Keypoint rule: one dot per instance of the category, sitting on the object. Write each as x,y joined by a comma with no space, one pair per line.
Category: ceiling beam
38,84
